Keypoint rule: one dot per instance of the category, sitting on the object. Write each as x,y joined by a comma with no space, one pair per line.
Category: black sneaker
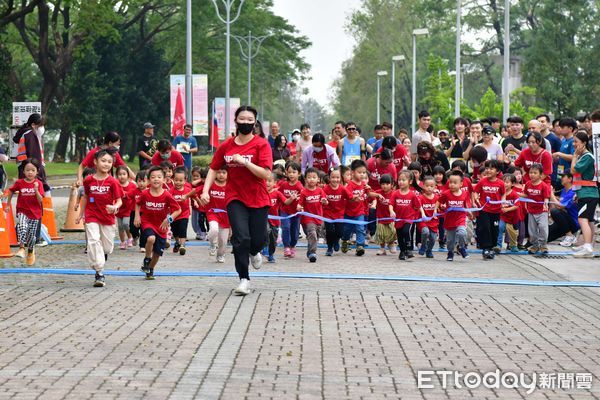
409,254
450,256
360,250
167,244
99,280
463,252
182,250
150,274
486,254
312,257
402,256
176,247
146,266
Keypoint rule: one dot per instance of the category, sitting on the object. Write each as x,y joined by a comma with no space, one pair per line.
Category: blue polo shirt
187,157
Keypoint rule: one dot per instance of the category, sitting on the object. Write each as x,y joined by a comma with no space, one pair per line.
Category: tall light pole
227,20
394,60
188,64
416,32
379,75
457,96
248,53
506,72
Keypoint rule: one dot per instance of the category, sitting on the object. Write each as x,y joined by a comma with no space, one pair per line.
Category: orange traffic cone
10,225
70,225
48,219
4,246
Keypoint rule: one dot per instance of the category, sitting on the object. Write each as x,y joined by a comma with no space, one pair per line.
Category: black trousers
333,233
404,237
563,223
487,230
249,233
272,233
135,231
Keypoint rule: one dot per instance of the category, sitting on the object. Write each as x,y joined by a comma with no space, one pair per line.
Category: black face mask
245,129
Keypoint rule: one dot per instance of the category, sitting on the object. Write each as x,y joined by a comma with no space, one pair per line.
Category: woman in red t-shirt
535,153
249,160
112,141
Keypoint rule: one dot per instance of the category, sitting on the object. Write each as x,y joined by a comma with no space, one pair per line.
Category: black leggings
404,237
487,230
249,233
333,233
563,223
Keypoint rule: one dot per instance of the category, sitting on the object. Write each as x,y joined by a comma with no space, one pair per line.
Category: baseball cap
488,130
148,125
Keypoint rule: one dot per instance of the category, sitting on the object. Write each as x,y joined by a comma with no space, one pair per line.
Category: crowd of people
483,185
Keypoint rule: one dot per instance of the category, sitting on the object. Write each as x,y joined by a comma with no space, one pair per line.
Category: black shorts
179,228
586,208
159,242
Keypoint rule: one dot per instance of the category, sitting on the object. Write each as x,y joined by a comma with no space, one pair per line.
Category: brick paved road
186,337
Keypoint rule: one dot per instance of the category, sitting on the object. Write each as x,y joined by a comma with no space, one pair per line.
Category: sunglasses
350,129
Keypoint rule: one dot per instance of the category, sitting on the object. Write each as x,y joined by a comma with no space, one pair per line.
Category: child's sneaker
286,252
381,251
150,275
422,251
220,259
256,260
392,248
182,250
533,250
123,246
497,250
429,254
442,246
176,247
99,280
409,254
213,250
271,259
336,246
402,256
20,253
345,246
130,243
146,265
292,252
265,251
450,256
544,250
134,242
360,250
514,249
463,252
31,257
329,252
312,257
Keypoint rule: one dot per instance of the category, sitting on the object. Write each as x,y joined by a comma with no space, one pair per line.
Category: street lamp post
416,32
248,53
227,20
457,95
506,72
379,75
394,60
188,63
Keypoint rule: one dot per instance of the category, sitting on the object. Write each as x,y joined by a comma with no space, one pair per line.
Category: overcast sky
331,45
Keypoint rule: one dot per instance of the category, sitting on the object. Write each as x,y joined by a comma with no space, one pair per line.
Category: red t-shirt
175,158
429,208
196,204
333,144
88,161
454,219
512,217
243,185
128,199
383,207
154,210
218,200
467,186
320,161
494,190
277,199
27,202
399,154
310,200
336,205
184,204
101,193
405,206
376,171
356,208
288,189
526,159
539,192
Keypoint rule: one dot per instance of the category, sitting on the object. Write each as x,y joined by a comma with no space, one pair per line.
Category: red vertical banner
214,129
179,115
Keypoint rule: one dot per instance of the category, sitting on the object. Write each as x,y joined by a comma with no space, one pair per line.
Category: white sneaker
20,253
213,250
243,288
42,243
256,260
220,259
568,241
392,248
585,252
578,248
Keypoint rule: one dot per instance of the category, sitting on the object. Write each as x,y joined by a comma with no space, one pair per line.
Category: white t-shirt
418,137
302,145
494,151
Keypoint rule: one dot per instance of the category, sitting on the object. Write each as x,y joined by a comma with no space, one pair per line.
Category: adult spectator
584,172
459,141
400,154
340,129
494,123
377,135
566,128
319,155
352,147
585,123
422,134
402,134
304,142
187,145
564,214
429,158
281,152
335,139
29,138
147,146
296,135
386,129
514,144
111,142
380,164
248,161
165,152
494,150
535,153
444,141
546,124
274,133
536,126
258,130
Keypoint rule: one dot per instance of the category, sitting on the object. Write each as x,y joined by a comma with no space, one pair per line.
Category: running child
181,193
277,200
311,201
489,193
355,207
101,201
154,211
428,229
385,234
537,211
290,227
218,222
455,221
80,193
167,166
439,174
510,219
29,208
337,195
141,184
405,206
123,216
199,222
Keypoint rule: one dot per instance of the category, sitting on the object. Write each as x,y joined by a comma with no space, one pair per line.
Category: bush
202,161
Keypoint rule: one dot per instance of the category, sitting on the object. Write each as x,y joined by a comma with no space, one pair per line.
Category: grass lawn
54,169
